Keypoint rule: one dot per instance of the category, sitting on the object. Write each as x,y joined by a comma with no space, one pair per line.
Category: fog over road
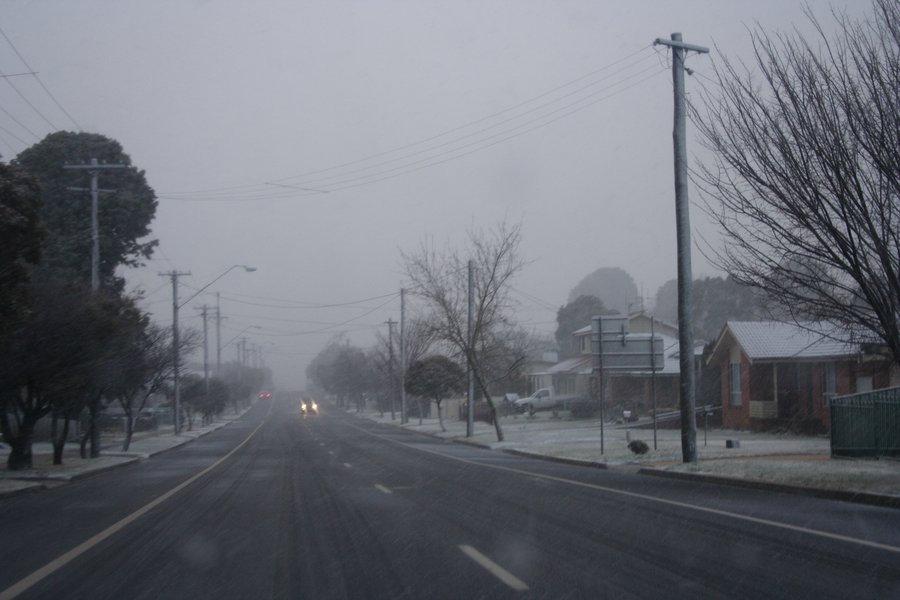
278,505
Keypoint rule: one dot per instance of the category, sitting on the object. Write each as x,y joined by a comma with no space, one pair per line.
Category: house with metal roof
778,374
625,390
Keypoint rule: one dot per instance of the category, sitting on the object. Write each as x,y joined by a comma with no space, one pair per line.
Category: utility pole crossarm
94,168
682,45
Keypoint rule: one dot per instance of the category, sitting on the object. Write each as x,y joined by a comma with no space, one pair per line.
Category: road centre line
679,504
37,576
347,465
494,569
382,489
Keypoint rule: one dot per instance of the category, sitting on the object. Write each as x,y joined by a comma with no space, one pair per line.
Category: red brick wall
736,416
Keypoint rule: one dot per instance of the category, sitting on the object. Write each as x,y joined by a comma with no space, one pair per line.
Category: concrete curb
869,498
841,495
31,488
462,441
578,462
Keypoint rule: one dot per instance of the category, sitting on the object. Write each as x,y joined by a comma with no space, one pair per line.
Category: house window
829,383
734,383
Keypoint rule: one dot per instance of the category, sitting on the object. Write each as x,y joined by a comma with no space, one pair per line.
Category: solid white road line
704,509
382,489
58,563
494,569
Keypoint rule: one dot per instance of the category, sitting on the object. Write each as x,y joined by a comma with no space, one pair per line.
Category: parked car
546,399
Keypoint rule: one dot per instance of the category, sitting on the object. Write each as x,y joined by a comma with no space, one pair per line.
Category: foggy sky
217,100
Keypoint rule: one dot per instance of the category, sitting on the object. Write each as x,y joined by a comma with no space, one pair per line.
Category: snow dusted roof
769,340
572,365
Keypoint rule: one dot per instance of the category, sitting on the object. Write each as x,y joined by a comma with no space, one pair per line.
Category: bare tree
384,359
805,179
441,279
142,367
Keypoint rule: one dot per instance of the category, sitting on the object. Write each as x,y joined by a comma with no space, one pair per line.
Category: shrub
638,446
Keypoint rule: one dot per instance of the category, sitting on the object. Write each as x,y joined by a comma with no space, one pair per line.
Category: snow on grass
776,458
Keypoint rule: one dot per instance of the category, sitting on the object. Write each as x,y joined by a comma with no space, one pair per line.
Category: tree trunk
20,440
85,436
129,431
487,397
19,458
95,430
440,416
59,440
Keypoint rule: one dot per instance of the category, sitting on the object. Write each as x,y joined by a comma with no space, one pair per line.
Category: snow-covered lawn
777,458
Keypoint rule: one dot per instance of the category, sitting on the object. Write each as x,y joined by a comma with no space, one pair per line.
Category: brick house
629,390
782,374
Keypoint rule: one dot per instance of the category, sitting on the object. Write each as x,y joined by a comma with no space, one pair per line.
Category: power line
299,305
442,157
331,327
453,153
313,305
8,80
34,74
11,134
304,176
542,303
345,179
323,182
498,141
19,123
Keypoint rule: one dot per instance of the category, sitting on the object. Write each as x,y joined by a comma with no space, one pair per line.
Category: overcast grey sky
555,114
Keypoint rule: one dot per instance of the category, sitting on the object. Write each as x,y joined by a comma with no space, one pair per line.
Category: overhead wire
20,124
472,134
295,304
430,154
418,142
18,92
498,138
329,328
311,305
470,123
34,74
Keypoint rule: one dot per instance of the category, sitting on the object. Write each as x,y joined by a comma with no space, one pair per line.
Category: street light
221,275
176,351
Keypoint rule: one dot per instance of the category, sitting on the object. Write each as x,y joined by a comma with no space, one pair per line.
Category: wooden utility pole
683,232
176,359
470,340
94,169
204,311
404,418
393,383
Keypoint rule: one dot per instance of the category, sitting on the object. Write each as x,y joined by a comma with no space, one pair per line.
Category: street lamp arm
223,274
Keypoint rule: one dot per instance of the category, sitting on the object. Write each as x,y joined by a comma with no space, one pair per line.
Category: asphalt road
279,505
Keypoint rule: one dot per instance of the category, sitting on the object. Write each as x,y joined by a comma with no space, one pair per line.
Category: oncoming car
308,406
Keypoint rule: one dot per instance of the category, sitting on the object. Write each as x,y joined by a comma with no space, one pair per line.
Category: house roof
773,340
571,365
584,364
632,317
